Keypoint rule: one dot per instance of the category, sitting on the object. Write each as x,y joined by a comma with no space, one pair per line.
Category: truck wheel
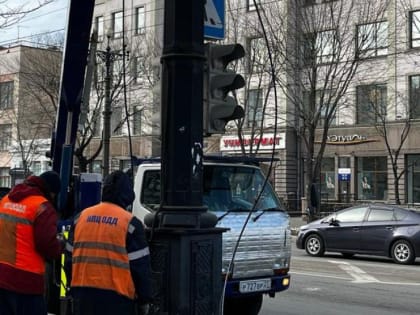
250,305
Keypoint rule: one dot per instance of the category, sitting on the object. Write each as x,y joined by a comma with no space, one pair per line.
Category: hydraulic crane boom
71,90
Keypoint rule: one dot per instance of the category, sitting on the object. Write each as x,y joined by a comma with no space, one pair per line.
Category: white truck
230,189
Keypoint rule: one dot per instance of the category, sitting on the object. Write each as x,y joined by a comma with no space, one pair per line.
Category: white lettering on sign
348,138
266,142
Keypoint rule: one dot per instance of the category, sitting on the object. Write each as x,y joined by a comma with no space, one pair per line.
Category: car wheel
402,252
314,245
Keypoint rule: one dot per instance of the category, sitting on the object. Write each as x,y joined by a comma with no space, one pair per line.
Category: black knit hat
118,189
52,181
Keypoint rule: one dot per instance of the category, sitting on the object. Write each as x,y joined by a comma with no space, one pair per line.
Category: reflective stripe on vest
17,238
100,258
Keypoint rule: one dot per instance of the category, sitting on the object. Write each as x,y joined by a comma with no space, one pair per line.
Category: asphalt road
332,285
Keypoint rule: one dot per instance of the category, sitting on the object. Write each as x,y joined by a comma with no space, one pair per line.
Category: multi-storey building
347,87
348,65
29,79
132,33
345,83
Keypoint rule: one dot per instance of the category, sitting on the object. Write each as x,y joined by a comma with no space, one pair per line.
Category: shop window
413,178
372,178
328,178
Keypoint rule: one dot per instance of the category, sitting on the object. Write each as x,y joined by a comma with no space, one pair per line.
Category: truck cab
258,262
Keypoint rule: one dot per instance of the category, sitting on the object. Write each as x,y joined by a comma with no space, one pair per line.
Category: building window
96,167
328,178
117,71
137,115
116,121
117,24
323,106
4,177
255,108
319,47
415,97
137,69
257,53
140,20
371,103
413,178
415,29
5,136
6,95
372,178
250,5
372,40
36,167
312,2
99,26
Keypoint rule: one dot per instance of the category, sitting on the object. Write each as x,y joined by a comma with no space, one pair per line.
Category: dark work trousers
101,302
12,303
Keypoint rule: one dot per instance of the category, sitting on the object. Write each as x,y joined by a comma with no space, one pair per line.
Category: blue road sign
214,19
344,177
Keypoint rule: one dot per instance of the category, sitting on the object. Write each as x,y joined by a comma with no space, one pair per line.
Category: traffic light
219,107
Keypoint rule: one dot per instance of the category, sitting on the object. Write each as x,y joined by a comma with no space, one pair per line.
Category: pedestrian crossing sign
214,19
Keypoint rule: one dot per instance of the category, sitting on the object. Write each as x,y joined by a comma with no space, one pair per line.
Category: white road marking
318,275
359,275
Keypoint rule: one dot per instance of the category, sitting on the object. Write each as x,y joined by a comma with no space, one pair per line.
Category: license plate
254,285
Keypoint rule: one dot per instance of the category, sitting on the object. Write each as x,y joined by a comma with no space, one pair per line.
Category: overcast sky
49,18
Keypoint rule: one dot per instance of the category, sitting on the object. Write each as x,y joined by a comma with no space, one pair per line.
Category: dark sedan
372,229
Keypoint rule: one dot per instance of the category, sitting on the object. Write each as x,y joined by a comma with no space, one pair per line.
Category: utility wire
273,85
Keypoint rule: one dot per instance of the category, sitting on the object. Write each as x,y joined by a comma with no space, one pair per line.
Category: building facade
29,79
347,85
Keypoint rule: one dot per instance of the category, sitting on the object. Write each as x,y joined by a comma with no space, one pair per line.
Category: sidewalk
296,223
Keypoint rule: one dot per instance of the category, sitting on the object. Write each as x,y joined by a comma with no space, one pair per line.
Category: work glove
143,309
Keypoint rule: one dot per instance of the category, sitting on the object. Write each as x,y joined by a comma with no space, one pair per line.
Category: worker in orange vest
28,237
111,262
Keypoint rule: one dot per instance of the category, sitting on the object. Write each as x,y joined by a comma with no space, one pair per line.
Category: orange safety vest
100,258
17,241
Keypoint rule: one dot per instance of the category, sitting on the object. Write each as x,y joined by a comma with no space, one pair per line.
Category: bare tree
32,115
11,12
258,92
316,55
139,80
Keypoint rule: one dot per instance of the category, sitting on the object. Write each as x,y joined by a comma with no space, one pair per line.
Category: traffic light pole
186,247
182,95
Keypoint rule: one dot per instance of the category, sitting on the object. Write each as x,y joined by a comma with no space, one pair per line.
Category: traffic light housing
219,107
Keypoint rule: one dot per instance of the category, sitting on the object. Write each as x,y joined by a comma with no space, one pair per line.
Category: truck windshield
225,188
236,188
